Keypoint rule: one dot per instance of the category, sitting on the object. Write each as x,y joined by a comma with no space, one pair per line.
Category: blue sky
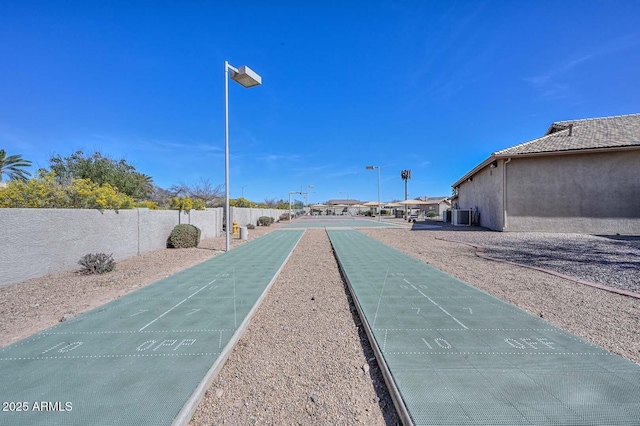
430,86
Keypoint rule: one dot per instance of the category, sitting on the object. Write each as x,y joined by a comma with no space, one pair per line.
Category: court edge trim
189,408
396,397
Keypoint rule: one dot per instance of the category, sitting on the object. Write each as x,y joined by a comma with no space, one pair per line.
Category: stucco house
435,204
581,176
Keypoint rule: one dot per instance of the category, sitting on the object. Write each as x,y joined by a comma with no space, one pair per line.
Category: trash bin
244,233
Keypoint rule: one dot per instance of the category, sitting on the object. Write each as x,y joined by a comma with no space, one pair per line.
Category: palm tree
13,166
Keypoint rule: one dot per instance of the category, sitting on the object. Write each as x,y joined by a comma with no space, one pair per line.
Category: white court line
443,310
380,299
405,280
178,304
235,315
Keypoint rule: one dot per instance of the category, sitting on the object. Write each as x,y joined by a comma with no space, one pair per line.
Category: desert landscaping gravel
613,261
304,359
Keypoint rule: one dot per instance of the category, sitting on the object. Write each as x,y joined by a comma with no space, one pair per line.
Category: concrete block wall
39,242
245,215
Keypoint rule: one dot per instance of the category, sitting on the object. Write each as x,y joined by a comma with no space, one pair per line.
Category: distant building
349,202
435,204
581,176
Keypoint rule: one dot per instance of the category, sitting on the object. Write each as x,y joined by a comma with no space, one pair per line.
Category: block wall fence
38,242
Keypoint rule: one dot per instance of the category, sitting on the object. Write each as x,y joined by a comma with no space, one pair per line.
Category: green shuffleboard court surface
338,222
138,359
459,356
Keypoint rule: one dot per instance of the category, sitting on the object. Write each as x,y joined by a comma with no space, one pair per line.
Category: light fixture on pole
243,190
293,192
247,78
379,206
306,194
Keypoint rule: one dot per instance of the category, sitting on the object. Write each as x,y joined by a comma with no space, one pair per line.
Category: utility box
461,217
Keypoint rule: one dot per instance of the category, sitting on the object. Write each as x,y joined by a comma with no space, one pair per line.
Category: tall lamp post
247,78
406,175
243,190
306,194
379,206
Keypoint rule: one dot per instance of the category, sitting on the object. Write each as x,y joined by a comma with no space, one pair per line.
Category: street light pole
243,190
247,78
306,194
379,205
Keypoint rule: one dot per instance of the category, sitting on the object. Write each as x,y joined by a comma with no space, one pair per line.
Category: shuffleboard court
139,360
338,222
455,355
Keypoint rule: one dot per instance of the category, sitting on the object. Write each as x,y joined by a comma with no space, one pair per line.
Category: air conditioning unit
461,217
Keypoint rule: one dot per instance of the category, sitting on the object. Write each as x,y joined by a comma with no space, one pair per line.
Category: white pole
289,207
226,154
379,206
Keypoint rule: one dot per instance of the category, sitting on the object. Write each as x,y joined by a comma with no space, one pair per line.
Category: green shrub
98,263
251,226
184,236
431,214
265,221
284,216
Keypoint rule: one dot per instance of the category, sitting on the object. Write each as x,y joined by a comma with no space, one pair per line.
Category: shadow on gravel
435,225
631,238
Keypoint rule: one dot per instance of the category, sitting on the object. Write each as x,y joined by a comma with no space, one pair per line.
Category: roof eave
476,169
568,152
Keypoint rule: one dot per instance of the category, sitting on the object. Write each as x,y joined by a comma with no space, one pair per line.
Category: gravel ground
611,261
305,358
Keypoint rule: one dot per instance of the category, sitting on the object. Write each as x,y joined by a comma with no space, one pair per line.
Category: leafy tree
13,166
241,202
151,205
44,191
185,204
102,169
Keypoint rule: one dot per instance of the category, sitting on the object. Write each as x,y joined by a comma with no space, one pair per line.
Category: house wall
38,242
485,193
587,193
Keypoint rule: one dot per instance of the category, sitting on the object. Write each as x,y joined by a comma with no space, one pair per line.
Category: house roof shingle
590,133
573,136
